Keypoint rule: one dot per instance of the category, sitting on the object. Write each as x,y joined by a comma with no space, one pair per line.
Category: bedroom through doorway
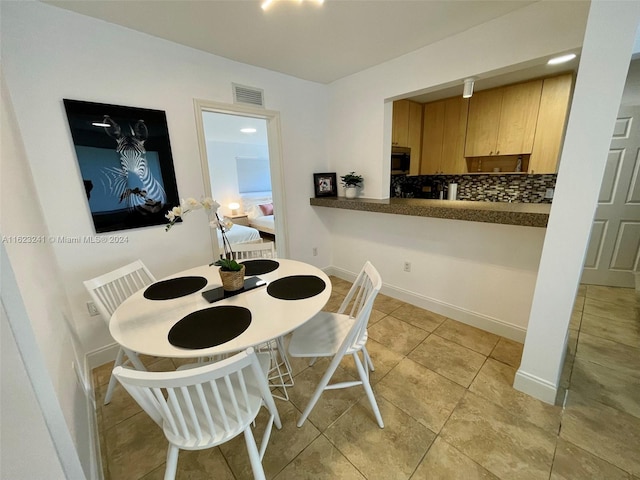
242,171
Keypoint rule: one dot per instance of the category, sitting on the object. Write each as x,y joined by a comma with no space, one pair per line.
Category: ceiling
321,43
222,127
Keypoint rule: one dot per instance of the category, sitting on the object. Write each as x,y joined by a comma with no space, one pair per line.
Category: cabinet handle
498,152
491,152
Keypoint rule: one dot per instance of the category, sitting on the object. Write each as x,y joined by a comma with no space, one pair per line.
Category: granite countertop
524,214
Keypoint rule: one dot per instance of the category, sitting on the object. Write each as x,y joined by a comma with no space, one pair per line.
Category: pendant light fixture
468,87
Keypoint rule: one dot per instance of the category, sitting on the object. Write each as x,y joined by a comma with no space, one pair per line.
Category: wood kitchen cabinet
443,136
406,130
554,105
502,121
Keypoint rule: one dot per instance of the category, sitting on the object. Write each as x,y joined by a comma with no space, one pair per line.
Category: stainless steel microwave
400,160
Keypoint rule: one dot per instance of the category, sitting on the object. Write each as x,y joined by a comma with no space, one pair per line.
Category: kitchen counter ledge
523,214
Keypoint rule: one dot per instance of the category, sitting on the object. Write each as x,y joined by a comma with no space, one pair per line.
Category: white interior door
612,256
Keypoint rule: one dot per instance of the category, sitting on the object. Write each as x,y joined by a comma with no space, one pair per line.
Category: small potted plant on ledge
351,182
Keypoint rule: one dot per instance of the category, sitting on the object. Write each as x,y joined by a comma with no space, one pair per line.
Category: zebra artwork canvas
125,161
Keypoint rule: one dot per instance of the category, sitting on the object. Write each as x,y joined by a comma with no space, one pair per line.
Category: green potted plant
351,182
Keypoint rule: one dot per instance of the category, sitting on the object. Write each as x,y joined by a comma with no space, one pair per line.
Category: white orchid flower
227,224
170,216
176,211
210,204
191,204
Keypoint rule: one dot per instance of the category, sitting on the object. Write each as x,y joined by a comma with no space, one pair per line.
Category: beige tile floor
444,390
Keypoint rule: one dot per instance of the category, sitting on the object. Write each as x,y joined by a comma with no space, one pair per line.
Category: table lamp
234,206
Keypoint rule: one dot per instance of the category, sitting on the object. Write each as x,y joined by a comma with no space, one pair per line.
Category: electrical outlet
93,310
315,251
549,193
407,266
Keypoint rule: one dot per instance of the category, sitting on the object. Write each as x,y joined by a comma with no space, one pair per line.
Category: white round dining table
143,325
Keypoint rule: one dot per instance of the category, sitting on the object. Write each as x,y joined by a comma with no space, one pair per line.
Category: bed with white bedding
264,223
259,209
240,234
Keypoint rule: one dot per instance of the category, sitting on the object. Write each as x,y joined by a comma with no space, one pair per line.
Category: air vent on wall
248,95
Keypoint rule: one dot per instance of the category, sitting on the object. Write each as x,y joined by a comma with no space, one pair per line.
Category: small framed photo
325,184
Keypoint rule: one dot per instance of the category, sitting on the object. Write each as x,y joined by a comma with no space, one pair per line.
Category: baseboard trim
536,387
475,319
102,355
96,456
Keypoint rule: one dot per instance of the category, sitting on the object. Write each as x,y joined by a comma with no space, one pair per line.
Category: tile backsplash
521,188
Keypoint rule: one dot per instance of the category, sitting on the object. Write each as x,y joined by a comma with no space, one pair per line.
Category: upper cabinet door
453,140
445,124
483,123
433,131
400,126
518,118
502,121
414,136
554,105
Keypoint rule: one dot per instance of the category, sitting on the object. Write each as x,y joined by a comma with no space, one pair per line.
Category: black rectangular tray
219,293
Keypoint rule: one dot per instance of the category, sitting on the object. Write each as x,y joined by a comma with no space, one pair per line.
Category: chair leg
319,389
254,455
112,380
135,360
367,358
172,463
364,377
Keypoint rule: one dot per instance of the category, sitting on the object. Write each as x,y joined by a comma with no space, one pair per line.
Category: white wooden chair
281,373
108,291
248,251
338,334
199,408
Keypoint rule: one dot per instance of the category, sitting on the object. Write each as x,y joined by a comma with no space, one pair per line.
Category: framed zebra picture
125,161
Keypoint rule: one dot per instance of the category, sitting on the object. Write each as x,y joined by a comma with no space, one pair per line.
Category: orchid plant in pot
351,182
231,272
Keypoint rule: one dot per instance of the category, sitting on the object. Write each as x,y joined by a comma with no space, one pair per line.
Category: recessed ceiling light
248,130
562,59
100,124
266,3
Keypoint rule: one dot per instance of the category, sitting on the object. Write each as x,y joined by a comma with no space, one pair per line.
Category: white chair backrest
210,404
359,302
245,251
109,290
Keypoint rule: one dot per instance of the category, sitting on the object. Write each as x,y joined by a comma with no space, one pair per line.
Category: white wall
478,273
482,274
26,448
41,322
49,54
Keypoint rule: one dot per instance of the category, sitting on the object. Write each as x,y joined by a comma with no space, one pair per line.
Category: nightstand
239,219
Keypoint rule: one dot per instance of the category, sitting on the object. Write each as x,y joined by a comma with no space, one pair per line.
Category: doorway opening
242,169
613,255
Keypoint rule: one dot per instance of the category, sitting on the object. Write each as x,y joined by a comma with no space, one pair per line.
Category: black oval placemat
210,327
296,287
174,288
259,267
